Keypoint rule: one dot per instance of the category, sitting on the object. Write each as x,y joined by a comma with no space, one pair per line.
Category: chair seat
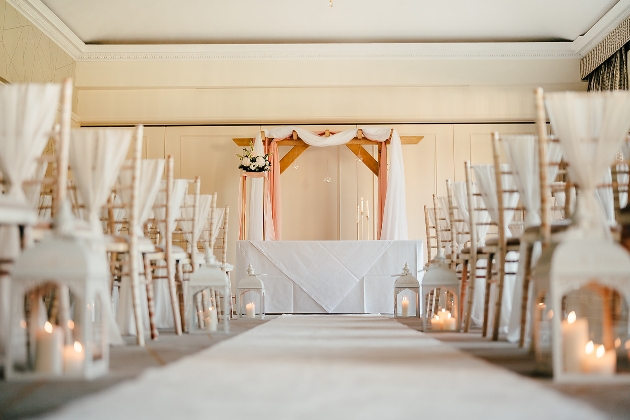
492,242
120,243
177,252
12,213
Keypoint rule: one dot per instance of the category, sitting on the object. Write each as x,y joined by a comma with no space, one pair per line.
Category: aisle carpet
330,367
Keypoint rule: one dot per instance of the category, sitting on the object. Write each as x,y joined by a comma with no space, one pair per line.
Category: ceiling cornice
43,18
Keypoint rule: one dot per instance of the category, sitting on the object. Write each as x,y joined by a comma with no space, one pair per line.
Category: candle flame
541,304
617,342
448,315
71,324
443,310
571,318
600,351
48,327
404,298
437,317
22,324
589,347
78,347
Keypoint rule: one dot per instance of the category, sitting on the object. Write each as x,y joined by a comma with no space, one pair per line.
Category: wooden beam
244,142
290,157
364,156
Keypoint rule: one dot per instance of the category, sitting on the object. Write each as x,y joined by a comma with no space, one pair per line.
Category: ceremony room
321,209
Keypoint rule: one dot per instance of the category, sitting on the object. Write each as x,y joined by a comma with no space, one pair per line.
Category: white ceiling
314,21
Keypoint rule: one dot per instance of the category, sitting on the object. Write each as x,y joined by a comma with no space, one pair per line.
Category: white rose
260,161
245,161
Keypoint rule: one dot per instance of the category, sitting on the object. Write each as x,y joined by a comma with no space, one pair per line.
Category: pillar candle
449,323
73,359
443,314
49,347
250,310
405,307
211,319
436,323
361,205
574,339
599,361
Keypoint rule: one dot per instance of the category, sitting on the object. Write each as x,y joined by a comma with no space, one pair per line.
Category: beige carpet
330,367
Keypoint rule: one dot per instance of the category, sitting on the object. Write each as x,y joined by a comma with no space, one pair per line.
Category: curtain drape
612,74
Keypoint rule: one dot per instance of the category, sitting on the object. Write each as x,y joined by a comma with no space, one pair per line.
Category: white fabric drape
255,203
482,216
522,153
219,214
485,177
202,216
395,213
96,156
180,187
606,198
591,128
27,115
151,171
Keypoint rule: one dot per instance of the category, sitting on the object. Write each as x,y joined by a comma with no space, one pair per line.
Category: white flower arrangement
253,162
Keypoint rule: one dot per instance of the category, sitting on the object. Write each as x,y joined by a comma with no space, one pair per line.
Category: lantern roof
440,274
251,280
209,274
405,278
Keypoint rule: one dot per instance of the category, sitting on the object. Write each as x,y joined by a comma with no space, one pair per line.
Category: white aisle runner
330,367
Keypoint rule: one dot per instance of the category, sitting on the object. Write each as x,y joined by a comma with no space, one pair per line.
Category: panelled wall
313,208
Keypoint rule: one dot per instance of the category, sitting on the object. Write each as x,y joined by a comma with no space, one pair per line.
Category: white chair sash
484,174
219,214
180,187
202,216
606,198
33,191
482,216
27,115
96,156
151,171
591,128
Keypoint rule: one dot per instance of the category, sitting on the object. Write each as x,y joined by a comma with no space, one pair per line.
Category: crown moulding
43,18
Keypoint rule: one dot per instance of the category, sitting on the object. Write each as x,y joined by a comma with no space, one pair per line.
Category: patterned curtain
612,74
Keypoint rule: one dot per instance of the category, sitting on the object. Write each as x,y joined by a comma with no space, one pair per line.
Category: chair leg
150,298
470,280
182,296
173,292
525,298
486,302
462,292
499,300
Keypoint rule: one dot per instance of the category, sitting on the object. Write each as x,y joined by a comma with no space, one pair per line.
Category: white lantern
406,281
209,297
251,283
439,276
574,345
75,343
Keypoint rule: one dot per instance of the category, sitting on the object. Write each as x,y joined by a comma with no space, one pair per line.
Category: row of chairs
496,220
150,225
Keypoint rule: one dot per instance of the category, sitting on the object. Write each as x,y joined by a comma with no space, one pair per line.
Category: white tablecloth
328,276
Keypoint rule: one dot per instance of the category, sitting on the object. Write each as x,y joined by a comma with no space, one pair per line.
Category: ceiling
314,21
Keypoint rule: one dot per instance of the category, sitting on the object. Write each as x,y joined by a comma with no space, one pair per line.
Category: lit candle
49,346
599,361
436,323
73,358
443,314
449,323
367,209
405,307
211,319
574,338
250,310
361,205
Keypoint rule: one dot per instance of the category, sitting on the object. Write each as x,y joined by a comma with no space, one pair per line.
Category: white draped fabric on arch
394,222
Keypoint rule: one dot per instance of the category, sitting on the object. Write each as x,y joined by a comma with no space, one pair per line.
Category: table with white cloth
328,276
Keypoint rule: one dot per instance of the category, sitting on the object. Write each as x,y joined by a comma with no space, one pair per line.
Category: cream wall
27,55
198,106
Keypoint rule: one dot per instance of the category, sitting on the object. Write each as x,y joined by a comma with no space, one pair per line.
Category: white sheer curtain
202,216
484,174
606,198
483,218
33,191
96,156
180,187
255,204
395,213
591,128
27,115
219,214
151,171
522,153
